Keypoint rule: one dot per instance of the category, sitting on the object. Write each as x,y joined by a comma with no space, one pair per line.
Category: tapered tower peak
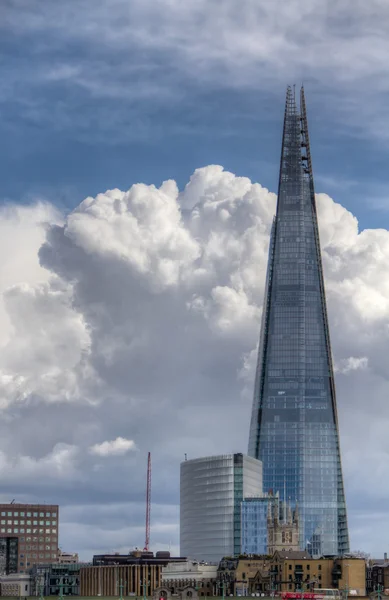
294,426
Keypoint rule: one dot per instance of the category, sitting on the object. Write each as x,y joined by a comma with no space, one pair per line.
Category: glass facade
254,513
294,428
211,493
8,555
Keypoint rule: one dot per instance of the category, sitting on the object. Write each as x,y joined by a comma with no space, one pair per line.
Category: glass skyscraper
254,514
211,492
294,426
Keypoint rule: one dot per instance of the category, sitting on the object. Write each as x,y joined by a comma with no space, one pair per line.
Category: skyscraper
211,492
294,426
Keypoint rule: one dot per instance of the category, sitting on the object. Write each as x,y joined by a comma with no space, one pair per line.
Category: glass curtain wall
294,429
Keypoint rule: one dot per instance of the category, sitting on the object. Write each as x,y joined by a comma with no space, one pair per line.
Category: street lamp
60,597
121,586
378,588
145,583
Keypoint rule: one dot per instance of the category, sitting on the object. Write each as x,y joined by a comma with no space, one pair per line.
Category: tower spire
294,373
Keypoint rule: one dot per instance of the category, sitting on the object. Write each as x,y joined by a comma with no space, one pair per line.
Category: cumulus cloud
139,322
113,448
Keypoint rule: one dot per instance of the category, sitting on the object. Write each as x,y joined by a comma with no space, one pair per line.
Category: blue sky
103,95
99,95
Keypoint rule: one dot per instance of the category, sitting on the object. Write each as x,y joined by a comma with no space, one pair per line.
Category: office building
254,523
211,493
294,425
35,528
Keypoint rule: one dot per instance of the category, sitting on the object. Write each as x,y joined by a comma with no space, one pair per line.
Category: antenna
186,456
148,503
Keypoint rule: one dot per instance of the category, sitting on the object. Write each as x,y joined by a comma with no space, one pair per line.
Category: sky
139,165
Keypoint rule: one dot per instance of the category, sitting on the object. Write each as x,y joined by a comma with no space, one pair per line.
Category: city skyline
294,423
129,318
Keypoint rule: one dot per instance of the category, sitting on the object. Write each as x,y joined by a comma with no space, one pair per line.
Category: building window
41,522
22,564
308,567
48,514
54,556
10,514
53,531
22,531
319,567
28,514
16,514
35,522
28,530
41,514
290,567
34,514
319,577
3,514
54,523
21,522
3,530
9,530
22,514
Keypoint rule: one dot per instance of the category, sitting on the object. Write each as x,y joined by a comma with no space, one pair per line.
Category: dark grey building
8,555
56,579
294,425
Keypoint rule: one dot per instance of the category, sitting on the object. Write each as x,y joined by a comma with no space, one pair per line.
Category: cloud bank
132,324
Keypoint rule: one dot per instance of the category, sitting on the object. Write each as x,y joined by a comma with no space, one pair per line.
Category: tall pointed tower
294,426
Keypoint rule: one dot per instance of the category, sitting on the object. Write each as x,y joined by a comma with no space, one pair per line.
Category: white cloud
352,363
140,323
113,448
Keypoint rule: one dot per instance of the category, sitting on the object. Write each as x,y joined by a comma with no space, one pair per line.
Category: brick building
32,531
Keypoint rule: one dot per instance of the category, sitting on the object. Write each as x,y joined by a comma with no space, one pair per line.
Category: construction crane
148,503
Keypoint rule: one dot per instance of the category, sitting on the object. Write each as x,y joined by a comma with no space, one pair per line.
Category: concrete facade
178,576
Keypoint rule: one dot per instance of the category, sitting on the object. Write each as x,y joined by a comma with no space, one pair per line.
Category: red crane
148,502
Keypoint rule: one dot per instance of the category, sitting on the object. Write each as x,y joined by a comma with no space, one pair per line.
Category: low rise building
199,575
56,579
377,576
138,573
15,584
66,558
296,571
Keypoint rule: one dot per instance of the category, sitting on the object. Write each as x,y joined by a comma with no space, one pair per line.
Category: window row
28,514
16,530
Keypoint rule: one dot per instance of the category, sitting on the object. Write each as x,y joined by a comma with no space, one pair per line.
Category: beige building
137,580
296,570
66,558
33,528
201,576
16,584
